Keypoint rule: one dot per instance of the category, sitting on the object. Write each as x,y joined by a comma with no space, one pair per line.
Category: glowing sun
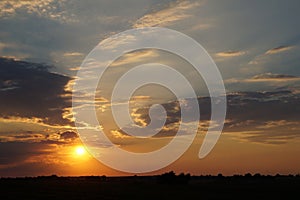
80,150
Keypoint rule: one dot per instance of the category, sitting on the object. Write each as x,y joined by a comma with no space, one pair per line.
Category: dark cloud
16,152
59,138
263,106
271,114
265,82
29,90
32,153
22,137
68,135
173,120
29,159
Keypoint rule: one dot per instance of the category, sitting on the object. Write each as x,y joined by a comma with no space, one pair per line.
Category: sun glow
80,150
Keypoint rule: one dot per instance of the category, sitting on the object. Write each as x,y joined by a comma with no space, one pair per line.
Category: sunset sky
255,44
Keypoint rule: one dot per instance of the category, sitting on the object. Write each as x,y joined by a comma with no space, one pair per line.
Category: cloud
68,135
45,137
276,60
119,134
73,54
39,31
279,49
278,124
245,109
43,31
5,45
22,137
229,54
52,9
29,91
74,68
115,42
273,76
269,137
32,121
17,152
266,77
135,57
266,132
257,106
174,12
6,50
23,151
140,97
35,158
263,117
201,26
264,82
260,117
8,85
141,117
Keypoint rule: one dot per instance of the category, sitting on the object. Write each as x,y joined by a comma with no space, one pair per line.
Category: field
151,187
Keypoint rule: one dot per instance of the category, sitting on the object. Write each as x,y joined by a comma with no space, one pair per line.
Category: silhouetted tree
220,176
103,178
257,175
171,178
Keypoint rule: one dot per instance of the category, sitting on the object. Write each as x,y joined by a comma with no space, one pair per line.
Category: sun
80,150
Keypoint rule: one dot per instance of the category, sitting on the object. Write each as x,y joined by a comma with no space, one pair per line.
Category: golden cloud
44,8
174,12
134,57
230,53
73,54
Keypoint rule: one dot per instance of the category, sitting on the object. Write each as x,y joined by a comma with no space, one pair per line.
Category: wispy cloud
201,26
135,57
272,55
22,137
274,77
278,124
33,121
5,45
115,42
229,54
279,49
73,54
269,137
266,77
175,12
36,137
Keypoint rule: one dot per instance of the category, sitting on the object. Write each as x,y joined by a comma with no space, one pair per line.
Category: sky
255,45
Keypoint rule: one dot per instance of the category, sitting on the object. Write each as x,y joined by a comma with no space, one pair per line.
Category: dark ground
151,187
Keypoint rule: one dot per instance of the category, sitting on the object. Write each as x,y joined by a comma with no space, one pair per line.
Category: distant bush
172,178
